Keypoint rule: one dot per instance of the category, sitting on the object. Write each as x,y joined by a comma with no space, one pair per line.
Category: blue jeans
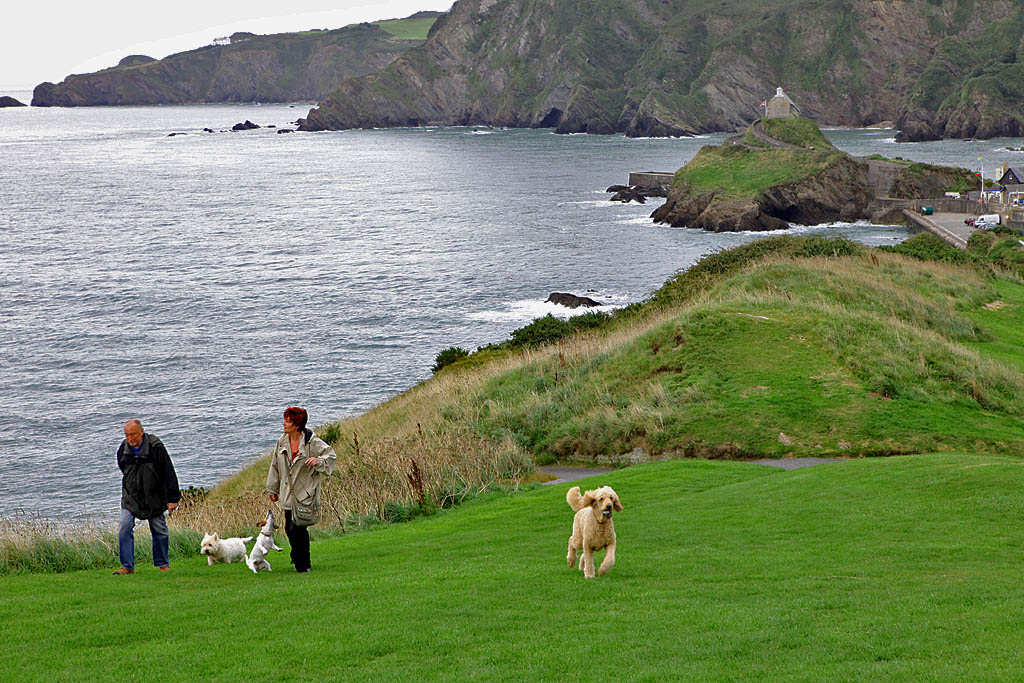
126,540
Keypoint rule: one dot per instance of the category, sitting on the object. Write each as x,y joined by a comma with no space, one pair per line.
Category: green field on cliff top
414,28
904,568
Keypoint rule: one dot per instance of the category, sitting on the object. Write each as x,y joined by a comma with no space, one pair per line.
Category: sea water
203,282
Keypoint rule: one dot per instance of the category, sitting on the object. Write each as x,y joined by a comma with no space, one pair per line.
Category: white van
987,220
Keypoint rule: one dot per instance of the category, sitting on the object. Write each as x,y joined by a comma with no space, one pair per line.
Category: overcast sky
42,40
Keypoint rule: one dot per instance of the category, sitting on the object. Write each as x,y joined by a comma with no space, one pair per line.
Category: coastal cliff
970,87
282,67
677,67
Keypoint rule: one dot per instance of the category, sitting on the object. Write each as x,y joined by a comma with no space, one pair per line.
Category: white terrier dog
219,549
257,559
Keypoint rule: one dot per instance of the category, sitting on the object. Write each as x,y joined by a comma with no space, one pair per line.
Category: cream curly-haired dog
592,527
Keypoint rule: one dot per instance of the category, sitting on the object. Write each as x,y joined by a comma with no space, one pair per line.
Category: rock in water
628,195
570,300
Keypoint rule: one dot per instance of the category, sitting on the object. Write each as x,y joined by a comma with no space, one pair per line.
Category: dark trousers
298,537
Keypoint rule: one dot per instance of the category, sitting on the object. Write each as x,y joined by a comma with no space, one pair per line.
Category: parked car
984,221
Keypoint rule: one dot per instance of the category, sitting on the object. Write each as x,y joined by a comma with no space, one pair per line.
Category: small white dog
219,549
257,559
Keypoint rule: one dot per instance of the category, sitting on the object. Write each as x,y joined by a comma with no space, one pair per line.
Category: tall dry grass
33,544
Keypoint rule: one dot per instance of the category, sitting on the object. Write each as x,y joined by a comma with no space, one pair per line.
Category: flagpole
981,197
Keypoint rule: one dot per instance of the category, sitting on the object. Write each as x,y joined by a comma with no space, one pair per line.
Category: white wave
598,202
642,220
526,310
793,229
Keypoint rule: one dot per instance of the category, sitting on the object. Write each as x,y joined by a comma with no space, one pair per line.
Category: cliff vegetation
677,67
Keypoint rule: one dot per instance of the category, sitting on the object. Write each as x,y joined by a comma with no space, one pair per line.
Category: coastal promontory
792,174
8,101
244,67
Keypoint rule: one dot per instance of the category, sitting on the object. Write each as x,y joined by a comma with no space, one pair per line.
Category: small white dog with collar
219,549
257,559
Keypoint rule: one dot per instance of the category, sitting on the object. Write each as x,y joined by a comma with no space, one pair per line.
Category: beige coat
292,480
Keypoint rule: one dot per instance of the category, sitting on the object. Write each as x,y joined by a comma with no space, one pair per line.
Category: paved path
566,474
948,226
954,222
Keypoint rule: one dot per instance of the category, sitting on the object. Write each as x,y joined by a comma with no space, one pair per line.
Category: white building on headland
781,107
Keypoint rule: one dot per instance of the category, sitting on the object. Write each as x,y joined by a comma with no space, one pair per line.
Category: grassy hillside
799,131
840,355
785,346
879,569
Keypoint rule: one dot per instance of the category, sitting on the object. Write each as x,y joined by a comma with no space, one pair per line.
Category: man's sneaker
124,570
165,568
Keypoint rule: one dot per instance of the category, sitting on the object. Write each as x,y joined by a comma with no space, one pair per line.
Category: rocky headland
8,101
283,67
740,186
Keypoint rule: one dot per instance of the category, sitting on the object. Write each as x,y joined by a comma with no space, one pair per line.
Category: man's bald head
133,433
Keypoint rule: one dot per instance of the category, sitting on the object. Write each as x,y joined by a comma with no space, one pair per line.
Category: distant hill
675,67
245,67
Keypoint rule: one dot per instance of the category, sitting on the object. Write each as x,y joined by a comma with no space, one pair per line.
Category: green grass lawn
906,568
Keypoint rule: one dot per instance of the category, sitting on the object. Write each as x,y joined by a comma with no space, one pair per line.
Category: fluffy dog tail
574,499
246,539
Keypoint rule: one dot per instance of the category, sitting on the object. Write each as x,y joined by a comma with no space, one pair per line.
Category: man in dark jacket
149,488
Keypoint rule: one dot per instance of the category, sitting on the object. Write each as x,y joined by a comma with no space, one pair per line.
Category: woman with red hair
299,462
